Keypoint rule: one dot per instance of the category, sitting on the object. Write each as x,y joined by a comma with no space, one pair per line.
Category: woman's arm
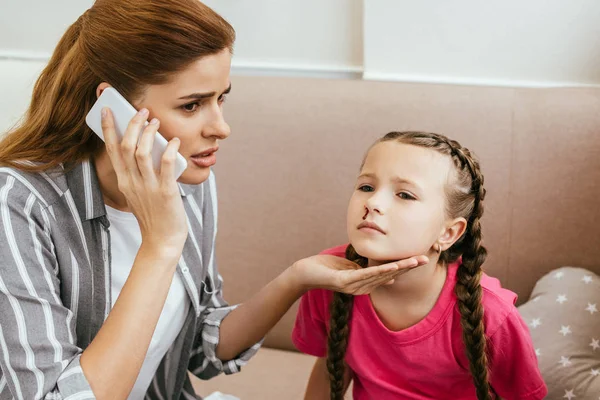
318,384
251,321
113,359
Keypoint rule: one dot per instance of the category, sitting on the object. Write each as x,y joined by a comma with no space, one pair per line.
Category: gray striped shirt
55,261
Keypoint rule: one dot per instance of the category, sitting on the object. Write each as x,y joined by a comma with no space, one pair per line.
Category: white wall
512,42
273,36
291,36
506,42
31,28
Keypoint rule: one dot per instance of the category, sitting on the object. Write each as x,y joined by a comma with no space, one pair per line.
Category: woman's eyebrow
199,96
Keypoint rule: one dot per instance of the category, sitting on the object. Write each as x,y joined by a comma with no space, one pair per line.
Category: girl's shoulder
338,251
494,292
499,303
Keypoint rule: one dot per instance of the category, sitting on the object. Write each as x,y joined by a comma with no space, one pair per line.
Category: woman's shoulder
18,185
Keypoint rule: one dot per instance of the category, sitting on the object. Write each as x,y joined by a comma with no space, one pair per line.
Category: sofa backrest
285,174
287,171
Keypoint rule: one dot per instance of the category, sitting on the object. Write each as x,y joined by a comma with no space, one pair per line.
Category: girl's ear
452,232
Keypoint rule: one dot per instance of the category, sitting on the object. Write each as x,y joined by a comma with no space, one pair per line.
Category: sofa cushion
270,374
563,315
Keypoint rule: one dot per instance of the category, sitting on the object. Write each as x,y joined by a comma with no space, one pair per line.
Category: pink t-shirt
426,360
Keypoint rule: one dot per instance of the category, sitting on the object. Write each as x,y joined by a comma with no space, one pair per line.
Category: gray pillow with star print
564,320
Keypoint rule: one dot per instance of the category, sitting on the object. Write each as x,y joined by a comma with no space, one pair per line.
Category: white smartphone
122,113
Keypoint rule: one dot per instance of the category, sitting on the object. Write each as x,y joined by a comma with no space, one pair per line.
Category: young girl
444,330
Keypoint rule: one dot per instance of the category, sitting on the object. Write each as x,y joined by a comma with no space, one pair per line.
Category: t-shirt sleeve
310,330
514,372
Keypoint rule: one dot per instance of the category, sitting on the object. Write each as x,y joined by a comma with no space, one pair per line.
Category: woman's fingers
360,287
367,279
368,286
130,141
111,140
167,166
375,271
143,154
408,263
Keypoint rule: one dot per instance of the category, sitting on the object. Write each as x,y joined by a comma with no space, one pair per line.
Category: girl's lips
370,230
370,227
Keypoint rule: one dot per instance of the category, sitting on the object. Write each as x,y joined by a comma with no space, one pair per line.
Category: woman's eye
191,107
222,98
405,196
365,188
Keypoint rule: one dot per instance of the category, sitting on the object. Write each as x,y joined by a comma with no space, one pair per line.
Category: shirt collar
84,186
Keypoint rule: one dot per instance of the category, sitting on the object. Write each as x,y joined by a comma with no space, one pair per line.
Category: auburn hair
129,44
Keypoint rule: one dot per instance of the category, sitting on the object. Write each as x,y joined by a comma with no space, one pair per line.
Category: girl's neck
420,284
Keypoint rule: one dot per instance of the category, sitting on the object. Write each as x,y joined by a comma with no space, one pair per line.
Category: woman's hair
129,44
464,198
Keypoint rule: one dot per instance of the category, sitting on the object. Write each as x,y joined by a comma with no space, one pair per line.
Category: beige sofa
286,173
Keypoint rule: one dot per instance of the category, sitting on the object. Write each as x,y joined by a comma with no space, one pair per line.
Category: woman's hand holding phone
153,196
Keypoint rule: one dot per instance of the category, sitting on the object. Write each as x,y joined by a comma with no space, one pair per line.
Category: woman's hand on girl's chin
341,275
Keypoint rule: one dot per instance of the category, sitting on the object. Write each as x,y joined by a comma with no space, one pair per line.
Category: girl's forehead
407,161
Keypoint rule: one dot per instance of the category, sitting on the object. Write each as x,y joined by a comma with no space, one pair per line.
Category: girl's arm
318,383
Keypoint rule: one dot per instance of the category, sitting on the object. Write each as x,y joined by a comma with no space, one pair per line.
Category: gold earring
439,249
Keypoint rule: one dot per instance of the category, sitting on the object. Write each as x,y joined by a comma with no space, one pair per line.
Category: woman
108,284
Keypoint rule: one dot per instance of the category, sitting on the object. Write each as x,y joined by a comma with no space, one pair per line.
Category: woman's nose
217,127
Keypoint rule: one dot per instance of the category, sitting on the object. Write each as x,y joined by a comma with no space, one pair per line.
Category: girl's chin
380,256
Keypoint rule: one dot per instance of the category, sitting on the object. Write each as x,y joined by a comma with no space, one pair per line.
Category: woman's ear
101,88
452,232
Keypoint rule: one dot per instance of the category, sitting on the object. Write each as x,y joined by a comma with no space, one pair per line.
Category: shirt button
185,270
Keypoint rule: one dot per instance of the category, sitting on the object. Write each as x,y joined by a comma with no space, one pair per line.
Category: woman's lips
206,158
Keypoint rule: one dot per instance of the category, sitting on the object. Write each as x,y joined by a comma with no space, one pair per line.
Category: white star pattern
559,275
561,298
569,394
575,315
565,330
565,361
535,322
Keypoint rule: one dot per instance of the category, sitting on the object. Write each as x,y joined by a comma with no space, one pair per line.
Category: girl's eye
405,196
222,98
365,188
191,107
